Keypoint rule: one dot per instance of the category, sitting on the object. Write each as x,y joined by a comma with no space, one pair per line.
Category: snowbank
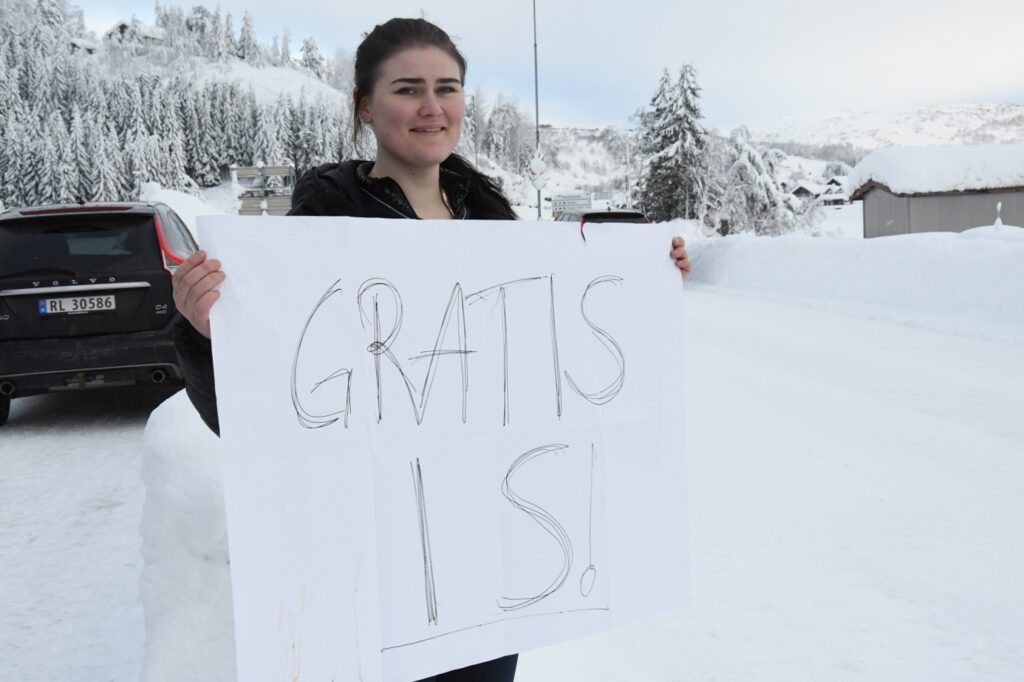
186,579
941,168
970,284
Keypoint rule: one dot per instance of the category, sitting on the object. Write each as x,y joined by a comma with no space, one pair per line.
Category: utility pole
629,186
536,95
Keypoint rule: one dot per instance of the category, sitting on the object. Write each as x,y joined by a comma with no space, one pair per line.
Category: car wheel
5,409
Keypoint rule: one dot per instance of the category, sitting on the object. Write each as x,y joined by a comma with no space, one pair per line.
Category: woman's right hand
195,292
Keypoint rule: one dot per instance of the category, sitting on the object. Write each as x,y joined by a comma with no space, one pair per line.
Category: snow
941,168
270,82
855,449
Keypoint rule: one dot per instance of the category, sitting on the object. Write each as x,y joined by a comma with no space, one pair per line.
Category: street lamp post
536,96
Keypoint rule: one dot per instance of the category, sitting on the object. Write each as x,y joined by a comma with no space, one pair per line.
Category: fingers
679,255
194,283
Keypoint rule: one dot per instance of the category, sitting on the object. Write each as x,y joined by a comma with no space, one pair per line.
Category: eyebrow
422,81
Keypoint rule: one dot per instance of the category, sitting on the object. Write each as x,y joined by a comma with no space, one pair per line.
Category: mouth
429,130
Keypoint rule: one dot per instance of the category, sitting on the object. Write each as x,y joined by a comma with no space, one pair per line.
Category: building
134,33
939,188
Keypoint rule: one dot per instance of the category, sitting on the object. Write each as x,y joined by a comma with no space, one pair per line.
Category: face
415,109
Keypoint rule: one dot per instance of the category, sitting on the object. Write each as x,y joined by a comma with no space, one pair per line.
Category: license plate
76,305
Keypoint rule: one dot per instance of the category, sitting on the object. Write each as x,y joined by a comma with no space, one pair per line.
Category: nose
430,105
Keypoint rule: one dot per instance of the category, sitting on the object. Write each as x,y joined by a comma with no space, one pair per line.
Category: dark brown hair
388,39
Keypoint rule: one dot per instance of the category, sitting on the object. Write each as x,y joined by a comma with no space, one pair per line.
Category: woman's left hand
680,256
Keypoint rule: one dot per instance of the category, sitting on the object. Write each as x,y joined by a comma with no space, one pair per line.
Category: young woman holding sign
409,79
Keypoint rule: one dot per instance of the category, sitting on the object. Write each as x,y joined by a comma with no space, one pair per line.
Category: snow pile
969,284
945,168
186,579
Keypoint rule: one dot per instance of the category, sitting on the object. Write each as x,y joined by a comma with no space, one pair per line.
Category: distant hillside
947,124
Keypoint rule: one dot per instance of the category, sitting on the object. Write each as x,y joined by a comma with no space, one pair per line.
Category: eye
407,90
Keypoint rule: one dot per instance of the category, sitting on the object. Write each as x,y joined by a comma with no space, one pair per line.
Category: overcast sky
757,62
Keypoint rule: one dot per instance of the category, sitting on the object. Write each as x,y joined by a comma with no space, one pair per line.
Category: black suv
85,297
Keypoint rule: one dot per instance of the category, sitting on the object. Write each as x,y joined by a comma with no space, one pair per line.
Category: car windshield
78,243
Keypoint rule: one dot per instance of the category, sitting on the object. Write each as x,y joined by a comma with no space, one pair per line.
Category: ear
362,108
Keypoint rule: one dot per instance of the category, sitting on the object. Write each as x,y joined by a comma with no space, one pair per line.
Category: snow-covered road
70,505
856,500
855,494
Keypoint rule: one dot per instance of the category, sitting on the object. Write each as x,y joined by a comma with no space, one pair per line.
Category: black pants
498,670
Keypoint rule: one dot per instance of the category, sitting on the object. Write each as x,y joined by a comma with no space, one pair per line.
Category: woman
409,80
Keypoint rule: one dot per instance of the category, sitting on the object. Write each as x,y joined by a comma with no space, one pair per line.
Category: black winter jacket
343,189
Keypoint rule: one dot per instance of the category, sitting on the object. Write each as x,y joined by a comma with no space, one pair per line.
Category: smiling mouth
437,129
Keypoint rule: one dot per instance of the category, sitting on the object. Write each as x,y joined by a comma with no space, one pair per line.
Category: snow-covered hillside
948,124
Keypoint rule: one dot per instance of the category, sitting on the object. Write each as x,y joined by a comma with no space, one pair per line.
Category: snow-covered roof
145,31
811,187
84,43
939,169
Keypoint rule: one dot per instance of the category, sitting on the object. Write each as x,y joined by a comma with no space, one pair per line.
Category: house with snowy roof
939,188
135,32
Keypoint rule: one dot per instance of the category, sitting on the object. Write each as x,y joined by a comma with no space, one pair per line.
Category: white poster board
444,441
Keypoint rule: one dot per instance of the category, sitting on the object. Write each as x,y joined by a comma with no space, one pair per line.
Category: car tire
5,409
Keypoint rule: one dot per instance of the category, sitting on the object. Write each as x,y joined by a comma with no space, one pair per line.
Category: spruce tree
672,146
229,36
312,60
78,157
660,183
286,49
248,47
14,153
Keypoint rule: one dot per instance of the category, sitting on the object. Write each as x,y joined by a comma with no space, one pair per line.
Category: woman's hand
195,292
680,256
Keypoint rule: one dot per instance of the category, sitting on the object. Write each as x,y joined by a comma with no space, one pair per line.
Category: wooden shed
940,188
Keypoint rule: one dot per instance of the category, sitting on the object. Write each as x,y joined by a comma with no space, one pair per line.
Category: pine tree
248,47
312,60
190,130
107,177
266,148
692,138
286,49
220,49
52,14
229,36
672,145
14,153
207,163
78,157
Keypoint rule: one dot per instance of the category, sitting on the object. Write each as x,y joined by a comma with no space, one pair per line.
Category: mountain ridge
978,123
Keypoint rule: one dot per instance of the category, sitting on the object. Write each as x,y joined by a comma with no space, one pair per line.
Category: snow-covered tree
78,155
285,51
248,47
506,140
753,201
266,147
834,169
312,60
672,145
229,35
